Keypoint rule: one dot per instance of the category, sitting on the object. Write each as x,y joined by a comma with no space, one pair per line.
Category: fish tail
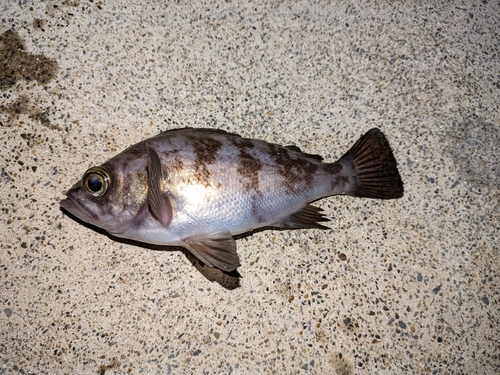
373,168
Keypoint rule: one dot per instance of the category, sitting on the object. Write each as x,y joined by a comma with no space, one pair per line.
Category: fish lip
75,207
67,205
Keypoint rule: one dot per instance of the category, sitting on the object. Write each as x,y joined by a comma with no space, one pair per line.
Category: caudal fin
375,171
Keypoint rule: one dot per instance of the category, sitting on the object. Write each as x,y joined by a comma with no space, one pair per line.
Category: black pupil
94,183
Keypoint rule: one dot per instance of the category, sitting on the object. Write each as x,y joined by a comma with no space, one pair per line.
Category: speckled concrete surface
405,286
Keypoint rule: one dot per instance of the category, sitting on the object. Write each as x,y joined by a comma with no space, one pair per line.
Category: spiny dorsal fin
158,202
314,157
214,249
204,131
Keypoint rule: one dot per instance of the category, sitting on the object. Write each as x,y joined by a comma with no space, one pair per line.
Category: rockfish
197,188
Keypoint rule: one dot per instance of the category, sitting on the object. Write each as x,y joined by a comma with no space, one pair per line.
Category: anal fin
307,217
214,249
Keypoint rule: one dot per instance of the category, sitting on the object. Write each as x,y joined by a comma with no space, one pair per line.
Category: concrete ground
402,286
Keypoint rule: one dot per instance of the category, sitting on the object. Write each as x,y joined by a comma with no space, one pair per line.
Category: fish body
197,188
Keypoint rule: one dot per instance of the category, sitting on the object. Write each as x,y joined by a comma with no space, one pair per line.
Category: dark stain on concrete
474,145
23,106
17,64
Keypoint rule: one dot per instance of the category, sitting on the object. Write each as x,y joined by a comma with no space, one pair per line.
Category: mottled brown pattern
255,208
333,168
206,150
249,166
175,164
249,169
295,171
130,155
338,181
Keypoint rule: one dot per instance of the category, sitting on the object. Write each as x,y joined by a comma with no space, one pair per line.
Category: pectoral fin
215,250
159,203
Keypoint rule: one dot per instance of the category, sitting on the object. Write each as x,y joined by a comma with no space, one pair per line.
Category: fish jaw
75,207
94,212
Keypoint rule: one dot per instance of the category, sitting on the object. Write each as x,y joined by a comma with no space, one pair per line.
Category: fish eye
96,181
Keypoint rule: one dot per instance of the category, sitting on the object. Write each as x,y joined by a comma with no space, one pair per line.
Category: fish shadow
228,280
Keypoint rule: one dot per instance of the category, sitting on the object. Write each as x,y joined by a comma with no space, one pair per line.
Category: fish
199,188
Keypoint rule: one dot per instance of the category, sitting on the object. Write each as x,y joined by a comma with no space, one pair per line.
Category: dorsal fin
199,130
314,157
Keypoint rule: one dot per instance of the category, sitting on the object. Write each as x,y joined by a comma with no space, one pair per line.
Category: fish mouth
75,207
82,209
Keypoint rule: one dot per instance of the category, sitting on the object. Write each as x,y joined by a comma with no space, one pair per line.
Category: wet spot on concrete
39,24
474,148
17,64
341,364
114,364
24,106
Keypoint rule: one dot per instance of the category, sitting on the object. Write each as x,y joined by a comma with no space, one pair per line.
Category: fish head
108,197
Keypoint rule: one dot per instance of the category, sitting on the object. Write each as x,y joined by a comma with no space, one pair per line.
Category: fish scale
197,188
